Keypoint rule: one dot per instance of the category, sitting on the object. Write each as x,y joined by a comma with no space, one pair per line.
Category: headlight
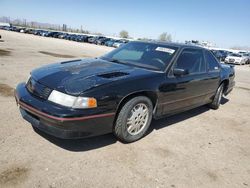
72,101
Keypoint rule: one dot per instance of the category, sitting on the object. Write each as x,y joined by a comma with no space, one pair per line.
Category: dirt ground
198,148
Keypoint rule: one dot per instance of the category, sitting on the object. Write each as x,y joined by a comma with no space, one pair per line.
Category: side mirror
180,72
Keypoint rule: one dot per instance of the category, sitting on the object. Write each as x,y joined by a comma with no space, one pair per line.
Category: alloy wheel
137,119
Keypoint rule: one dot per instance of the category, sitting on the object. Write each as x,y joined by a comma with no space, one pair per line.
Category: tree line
38,25
165,37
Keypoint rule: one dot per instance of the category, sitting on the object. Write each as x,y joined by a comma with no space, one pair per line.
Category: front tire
215,104
134,119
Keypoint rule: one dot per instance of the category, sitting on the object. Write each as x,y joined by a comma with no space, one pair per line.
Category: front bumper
234,62
61,121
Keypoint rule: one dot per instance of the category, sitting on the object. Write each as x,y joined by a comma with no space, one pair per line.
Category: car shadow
77,145
86,144
171,120
224,100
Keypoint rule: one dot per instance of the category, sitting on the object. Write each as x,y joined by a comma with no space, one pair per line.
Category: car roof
179,45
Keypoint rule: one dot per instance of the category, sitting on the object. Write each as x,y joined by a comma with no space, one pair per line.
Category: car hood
77,76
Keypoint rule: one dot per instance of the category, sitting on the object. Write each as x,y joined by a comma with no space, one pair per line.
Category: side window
213,64
191,60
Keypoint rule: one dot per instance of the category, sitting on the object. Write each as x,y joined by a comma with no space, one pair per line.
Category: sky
223,22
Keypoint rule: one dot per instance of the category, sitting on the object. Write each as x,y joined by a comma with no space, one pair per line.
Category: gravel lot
198,148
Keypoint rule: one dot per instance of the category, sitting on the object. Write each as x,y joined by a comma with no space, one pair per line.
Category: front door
187,90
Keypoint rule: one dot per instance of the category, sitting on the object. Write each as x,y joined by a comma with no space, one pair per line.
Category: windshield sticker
163,49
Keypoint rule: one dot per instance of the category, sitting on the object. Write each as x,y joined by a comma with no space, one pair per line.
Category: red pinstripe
31,109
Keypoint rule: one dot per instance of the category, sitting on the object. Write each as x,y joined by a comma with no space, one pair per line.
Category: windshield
147,55
236,55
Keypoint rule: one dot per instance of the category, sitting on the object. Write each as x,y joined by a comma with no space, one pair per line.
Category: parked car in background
236,58
102,41
7,28
67,37
54,34
13,28
93,40
110,42
46,34
36,32
87,37
79,38
98,38
218,55
119,43
224,54
247,56
242,52
221,54
22,30
73,37
41,33
63,35
123,90
29,31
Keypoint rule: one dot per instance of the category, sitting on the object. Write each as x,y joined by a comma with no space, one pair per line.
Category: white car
247,56
238,59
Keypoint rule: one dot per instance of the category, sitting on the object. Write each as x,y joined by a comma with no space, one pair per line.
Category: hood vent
113,75
71,61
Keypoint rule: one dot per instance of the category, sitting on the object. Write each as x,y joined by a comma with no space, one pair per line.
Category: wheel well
226,83
151,95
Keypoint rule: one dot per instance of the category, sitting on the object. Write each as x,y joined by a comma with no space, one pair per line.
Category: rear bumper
60,121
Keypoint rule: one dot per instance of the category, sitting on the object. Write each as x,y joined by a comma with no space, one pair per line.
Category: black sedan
122,91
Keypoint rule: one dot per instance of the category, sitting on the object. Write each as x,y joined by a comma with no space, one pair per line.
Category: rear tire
134,119
215,104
